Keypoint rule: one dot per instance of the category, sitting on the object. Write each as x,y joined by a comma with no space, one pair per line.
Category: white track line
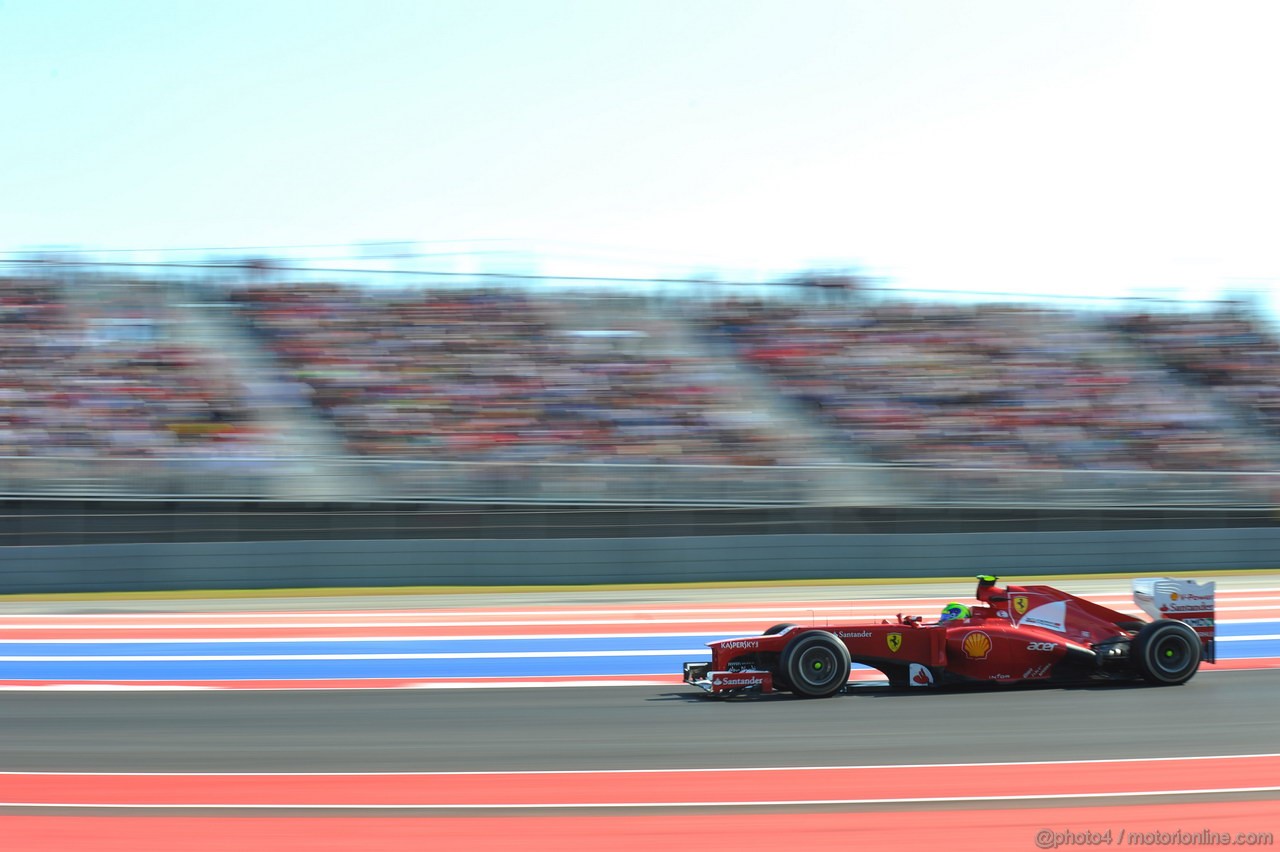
437,637
460,655
214,684
428,637
476,655
772,607
434,806
680,770
724,617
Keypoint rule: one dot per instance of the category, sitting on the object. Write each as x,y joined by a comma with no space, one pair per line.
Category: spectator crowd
988,386
482,375
101,378
520,375
1229,352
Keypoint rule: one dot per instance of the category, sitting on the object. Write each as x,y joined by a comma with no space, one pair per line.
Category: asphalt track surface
632,767
664,726
1217,713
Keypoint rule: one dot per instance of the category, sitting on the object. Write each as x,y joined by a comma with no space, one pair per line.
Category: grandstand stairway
840,477
305,452
1239,427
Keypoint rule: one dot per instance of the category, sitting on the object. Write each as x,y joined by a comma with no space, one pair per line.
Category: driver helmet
953,611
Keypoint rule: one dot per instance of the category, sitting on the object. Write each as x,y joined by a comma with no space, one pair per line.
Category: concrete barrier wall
554,561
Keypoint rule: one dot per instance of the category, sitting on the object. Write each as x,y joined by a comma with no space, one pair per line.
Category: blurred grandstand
256,381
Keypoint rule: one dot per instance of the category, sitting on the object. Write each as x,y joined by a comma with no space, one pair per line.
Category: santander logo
919,675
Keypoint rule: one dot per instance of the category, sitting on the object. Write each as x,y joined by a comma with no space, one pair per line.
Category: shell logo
895,641
976,645
1020,604
1173,596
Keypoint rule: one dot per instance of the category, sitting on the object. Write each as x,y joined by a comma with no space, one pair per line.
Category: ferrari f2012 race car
1015,634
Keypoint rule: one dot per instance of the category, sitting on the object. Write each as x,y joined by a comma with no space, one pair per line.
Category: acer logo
1041,646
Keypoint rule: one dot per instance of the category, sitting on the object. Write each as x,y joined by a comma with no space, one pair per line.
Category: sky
1108,148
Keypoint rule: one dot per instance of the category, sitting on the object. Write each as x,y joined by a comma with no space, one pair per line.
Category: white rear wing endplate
1181,600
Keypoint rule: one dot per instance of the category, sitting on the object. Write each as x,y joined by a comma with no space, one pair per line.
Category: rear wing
1181,600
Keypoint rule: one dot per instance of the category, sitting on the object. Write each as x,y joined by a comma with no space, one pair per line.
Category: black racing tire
1166,652
816,664
780,682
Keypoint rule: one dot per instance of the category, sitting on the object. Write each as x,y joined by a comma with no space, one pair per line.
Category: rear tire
1166,652
816,664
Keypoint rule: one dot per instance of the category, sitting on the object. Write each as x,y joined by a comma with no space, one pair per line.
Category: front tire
815,664
780,682
1166,652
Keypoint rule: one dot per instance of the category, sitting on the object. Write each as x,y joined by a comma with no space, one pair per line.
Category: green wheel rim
819,666
1173,653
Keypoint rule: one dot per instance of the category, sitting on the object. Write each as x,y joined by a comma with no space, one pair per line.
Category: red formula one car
1015,634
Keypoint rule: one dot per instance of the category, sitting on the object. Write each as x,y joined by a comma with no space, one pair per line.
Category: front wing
727,683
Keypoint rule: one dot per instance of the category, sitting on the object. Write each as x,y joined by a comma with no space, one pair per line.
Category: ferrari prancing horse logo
895,641
1020,604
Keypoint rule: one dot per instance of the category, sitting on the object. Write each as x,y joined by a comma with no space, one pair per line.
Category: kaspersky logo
976,645
1020,604
895,641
